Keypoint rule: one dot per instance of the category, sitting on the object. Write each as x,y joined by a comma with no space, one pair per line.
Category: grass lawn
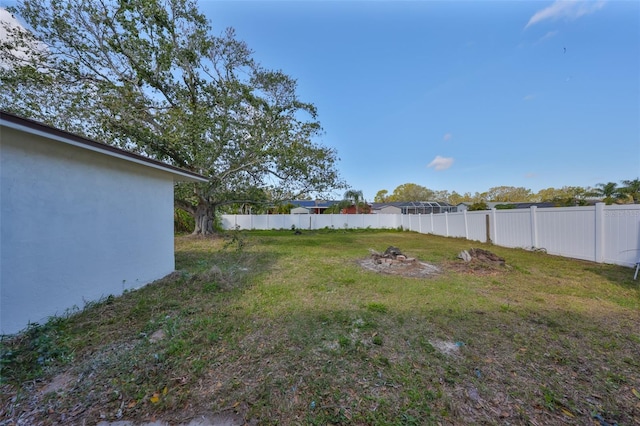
277,328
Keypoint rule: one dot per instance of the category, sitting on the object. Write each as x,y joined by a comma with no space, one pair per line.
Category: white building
79,220
299,210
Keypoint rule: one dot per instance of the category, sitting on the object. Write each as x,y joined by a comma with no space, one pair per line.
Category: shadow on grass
619,275
205,278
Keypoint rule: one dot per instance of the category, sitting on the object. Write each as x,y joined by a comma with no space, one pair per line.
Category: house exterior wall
76,226
389,210
299,210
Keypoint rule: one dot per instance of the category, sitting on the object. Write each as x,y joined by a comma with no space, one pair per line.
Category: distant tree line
628,192
610,193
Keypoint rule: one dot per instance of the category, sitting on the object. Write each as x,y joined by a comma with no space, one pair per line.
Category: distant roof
312,204
419,204
515,205
36,128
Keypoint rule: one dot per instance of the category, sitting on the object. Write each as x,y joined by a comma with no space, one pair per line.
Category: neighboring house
361,209
381,208
313,206
465,206
414,207
299,210
79,220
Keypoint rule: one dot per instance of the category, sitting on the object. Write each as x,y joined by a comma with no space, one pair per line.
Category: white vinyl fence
600,233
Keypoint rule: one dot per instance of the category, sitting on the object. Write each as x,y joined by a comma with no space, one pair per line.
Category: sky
459,95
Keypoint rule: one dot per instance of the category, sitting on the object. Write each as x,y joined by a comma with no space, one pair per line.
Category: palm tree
355,196
632,189
608,191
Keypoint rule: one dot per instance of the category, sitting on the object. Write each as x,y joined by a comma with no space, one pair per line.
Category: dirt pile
478,262
394,262
480,255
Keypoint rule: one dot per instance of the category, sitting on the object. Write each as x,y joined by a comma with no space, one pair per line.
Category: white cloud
529,97
568,9
447,137
441,163
547,36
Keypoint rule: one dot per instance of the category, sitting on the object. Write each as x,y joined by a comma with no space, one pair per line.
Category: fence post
466,225
599,233
534,226
446,223
431,217
487,224
494,217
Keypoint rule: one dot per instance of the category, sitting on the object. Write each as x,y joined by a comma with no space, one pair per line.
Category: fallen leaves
156,396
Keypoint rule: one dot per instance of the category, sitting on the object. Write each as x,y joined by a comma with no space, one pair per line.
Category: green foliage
182,222
408,192
566,196
148,75
25,356
508,194
337,208
479,206
283,208
631,189
610,192
235,239
381,196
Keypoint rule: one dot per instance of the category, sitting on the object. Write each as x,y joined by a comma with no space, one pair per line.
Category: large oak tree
149,76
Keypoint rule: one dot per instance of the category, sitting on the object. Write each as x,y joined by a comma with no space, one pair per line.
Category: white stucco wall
76,226
390,210
299,210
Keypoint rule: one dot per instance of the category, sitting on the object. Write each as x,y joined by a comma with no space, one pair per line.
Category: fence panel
513,228
439,224
477,225
456,225
621,226
609,234
321,221
568,231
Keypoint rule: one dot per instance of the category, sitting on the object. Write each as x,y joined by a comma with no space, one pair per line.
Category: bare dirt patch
413,269
394,262
60,383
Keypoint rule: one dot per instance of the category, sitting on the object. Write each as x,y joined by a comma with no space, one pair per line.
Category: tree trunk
204,218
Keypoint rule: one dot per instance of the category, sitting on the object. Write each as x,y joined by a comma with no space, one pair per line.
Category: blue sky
459,95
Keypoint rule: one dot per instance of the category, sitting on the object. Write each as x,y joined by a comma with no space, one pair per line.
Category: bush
183,222
479,206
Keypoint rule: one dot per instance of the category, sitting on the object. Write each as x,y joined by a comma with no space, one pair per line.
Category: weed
551,401
377,307
235,239
25,356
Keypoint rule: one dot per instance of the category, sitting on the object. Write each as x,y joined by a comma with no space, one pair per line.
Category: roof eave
36,128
